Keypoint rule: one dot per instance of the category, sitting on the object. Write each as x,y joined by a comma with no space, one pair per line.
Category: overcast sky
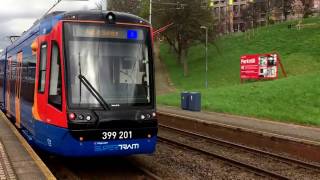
17,16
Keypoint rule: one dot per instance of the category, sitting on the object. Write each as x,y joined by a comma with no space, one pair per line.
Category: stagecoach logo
104,146
129,146
49,142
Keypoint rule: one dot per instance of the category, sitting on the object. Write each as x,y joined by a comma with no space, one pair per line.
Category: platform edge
44,169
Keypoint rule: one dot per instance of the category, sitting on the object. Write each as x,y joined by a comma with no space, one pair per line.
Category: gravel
293,171
172,163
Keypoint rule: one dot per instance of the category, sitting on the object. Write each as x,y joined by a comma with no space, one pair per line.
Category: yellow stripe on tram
18,90
8,88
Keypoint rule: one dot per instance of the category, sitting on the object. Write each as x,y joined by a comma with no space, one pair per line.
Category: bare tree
188,16
129,6
99,4
298,8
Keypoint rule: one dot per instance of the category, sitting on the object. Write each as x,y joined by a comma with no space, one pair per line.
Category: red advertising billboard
259,66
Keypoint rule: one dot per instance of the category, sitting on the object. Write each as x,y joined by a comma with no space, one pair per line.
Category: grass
294,99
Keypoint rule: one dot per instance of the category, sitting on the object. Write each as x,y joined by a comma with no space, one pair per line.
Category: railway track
264,164
147,174
293,146
98,168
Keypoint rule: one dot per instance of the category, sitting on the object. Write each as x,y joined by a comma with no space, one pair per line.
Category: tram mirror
34,46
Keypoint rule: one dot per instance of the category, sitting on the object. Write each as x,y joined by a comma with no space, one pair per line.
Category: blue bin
195,101
185,100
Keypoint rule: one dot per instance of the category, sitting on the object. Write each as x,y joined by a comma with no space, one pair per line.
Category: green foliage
144,9
136,7
294,99
187,16
129,6
299,51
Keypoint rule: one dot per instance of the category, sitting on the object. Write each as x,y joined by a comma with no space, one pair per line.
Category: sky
17,16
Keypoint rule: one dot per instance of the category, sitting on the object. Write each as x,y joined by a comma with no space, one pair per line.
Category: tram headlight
143,117
154,114
88,118
111,18
80,117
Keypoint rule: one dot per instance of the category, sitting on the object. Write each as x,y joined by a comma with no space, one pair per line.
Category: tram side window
42,70
55,94
32,69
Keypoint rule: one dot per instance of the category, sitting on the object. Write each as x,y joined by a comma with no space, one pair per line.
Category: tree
144,8
137,7
187,16
286,8
298,8
129,6
99,5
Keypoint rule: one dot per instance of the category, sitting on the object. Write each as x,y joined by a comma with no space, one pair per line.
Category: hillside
295,99
299,51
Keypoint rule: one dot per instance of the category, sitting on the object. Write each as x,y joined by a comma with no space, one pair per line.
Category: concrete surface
21,158
311,134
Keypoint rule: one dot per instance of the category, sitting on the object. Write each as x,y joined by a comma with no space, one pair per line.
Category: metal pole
206,58
206,73
150,12
55,4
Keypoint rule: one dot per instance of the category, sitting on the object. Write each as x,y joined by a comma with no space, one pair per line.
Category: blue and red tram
81,84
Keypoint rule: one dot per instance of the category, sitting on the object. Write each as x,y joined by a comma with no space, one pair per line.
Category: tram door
18,89
55,114
8,87
40,100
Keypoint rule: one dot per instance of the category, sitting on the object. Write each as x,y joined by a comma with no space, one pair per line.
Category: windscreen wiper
94,92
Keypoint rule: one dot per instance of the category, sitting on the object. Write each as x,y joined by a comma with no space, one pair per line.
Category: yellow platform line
44,169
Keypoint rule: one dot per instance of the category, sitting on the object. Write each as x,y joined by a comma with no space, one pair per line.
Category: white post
150,12
206,58
206,70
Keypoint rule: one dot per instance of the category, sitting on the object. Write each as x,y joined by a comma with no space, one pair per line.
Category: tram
81,84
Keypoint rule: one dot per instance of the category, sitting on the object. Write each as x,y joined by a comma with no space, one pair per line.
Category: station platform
17,158
292,131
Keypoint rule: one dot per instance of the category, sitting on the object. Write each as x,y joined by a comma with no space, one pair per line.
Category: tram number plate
113,135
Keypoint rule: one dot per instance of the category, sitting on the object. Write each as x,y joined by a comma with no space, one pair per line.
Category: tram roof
46,23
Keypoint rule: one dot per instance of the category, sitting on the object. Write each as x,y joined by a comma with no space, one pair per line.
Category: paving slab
6,170
17,158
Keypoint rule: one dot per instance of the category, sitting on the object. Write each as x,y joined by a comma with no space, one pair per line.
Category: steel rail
148,173
232,162
257,151
69,173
